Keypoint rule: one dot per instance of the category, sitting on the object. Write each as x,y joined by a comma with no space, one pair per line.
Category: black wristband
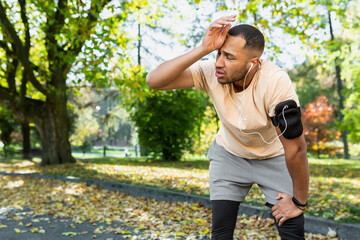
302,209
297,203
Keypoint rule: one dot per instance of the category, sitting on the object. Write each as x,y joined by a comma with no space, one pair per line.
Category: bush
167,120
319,127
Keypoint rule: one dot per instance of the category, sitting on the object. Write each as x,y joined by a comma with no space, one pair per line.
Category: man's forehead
233,44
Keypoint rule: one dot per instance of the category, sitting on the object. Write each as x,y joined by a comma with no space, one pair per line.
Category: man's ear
256,61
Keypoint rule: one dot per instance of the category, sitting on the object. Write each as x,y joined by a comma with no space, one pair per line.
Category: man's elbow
296,148
303,146
151,82
302,149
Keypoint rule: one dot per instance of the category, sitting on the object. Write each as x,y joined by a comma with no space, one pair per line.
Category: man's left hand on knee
285,209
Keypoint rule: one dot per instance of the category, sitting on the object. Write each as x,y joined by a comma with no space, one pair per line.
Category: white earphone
252,64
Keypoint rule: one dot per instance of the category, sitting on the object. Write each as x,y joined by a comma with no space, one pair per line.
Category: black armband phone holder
288,119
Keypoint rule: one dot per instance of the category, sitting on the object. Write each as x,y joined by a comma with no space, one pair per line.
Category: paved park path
48,228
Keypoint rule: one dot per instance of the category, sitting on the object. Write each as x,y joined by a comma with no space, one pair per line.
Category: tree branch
8,51
11,54
30,110
20,50
55,25
82,35
11,75
330,26
6,98
23,88
25,21
10,29
59,14
11,67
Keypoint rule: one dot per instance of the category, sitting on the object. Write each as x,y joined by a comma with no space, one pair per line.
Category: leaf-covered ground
147,218
334,184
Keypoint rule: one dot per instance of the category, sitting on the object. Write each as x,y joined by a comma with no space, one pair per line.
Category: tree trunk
5,151
170,153
139,40
341,115
53,124
54,130
25,129
339,90
51,121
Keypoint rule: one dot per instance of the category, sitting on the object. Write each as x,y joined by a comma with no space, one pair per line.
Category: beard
235,76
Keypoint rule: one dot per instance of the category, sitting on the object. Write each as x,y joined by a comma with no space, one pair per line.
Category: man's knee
292,229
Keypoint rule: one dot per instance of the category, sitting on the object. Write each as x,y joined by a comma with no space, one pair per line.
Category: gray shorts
231,177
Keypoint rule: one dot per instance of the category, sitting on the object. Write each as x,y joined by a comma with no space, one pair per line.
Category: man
260,140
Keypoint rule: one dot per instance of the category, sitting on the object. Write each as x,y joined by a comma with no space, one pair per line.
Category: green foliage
86,130
100,118
301,21
311,80
352,117
87,144
350,53
167,121
114,122
207,131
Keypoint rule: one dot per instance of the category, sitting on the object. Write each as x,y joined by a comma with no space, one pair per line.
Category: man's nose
219,63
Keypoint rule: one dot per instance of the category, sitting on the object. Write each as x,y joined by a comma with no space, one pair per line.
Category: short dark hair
254,38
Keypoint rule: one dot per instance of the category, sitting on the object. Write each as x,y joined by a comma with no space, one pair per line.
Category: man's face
232,61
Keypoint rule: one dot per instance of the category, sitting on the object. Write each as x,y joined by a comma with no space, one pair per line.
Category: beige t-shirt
246,113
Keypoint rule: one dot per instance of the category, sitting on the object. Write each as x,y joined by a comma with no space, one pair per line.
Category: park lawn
334,183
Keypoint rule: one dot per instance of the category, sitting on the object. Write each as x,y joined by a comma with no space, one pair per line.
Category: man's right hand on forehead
216,33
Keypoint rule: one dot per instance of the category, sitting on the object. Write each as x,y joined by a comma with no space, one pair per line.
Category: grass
334,183
99,151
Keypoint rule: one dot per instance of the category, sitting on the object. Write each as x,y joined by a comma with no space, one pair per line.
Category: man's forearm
298,167
170,70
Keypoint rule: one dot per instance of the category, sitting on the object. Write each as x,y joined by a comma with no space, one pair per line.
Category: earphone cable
241,113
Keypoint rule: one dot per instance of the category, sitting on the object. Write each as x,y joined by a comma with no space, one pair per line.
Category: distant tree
350,58
26,140
87,144
7,126
318,117
206,131
311,81
333,47
113,118
86,130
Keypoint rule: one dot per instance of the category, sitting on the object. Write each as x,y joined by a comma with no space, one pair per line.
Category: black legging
224,215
